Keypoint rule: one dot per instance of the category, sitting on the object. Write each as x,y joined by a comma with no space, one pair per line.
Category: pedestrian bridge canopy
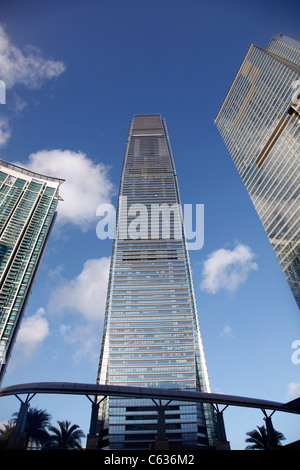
74,388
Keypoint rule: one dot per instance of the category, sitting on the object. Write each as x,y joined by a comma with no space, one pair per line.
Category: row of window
13,290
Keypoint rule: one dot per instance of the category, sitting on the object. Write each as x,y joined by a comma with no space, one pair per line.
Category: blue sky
76,73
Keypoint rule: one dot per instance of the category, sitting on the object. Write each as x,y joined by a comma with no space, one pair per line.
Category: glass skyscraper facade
151,335
260,125
27,209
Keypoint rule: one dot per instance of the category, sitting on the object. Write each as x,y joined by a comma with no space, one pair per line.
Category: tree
37,422
66,437
6,433
259,439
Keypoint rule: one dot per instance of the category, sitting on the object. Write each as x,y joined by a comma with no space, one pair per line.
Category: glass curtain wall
260,125
27,208
151,335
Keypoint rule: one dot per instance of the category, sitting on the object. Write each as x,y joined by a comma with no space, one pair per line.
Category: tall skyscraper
27,208
151,335
260,125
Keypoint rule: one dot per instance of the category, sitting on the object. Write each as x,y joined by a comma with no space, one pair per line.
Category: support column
18,438
94,418
221,443
272,441
92,437
161,441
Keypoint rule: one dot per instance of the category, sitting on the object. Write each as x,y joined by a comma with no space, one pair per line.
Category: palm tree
259,439
67,437
5,433
37,422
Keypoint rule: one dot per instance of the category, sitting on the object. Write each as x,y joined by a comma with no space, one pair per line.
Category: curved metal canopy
73,388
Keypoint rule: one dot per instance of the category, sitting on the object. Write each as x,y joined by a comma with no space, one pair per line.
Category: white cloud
227,269
86,293
293,389
26,67
226,332
86,184
85,337
34,329
18,103
5,131
81,303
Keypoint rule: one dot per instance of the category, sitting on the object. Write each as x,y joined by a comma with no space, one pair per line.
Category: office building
27,209
260,125
151,335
